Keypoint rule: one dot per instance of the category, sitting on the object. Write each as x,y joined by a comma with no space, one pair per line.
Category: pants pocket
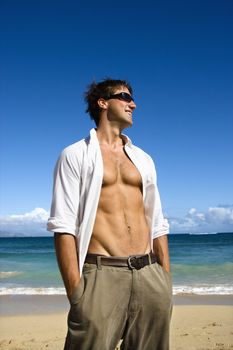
78,292
167,275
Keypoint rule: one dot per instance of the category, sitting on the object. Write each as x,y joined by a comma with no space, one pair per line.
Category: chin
129,125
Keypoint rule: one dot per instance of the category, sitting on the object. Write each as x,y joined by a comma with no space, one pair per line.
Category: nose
132,105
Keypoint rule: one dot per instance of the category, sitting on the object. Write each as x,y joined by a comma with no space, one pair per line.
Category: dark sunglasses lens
122,96
126,97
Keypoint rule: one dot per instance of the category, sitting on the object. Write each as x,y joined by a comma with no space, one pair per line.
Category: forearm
160,247
67,258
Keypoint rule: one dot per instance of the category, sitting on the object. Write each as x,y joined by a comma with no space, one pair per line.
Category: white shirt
78,178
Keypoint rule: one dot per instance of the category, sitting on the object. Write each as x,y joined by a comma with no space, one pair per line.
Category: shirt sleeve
66,189
160,225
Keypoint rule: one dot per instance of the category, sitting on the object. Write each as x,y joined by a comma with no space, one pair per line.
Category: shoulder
142,154
145,160
72,155
75,149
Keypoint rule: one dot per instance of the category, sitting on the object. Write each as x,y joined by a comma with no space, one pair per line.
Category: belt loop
98,261
149,258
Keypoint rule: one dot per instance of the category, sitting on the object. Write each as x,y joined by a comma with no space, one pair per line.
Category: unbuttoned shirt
78,179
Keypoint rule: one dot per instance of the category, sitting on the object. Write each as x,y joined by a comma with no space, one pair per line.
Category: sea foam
177,290
203,289
7,274
32,291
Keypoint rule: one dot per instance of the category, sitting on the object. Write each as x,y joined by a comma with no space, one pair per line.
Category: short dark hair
103,89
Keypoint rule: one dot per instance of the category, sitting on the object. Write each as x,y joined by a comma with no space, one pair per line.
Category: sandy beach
39,322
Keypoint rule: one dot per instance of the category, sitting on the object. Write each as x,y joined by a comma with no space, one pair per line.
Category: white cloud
36,215
27,224
221,214
215,219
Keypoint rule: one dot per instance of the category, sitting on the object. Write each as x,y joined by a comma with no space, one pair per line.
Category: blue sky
177,55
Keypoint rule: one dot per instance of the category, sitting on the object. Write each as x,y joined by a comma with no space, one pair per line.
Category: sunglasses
124,96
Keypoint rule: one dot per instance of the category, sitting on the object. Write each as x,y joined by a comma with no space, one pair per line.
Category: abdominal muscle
120,227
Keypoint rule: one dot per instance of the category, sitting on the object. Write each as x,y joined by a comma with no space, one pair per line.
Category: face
119,110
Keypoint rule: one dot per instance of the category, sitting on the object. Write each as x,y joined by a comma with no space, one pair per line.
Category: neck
109,135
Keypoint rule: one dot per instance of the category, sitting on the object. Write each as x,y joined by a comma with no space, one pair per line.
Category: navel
127,224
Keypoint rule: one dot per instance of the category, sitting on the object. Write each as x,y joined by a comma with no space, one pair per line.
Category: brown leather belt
132,262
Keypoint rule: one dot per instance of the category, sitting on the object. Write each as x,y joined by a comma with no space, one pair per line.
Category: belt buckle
135,262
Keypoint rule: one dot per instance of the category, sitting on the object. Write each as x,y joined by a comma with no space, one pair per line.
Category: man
110,233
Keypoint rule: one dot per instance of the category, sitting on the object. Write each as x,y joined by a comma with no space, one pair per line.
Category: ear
102,103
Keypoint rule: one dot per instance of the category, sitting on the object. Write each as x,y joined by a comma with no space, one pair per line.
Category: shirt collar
127,140
94,139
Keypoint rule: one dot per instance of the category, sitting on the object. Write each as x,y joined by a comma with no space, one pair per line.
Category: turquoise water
200,264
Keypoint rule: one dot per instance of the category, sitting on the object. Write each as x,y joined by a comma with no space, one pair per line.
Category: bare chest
118,168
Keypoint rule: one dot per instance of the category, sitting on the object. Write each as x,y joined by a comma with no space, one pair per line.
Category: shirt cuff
55,225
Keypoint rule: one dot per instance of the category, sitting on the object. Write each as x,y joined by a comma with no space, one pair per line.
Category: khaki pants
113,303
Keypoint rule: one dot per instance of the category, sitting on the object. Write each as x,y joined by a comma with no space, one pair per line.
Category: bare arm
67,258
160,247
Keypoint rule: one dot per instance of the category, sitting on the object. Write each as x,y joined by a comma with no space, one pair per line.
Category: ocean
200,264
